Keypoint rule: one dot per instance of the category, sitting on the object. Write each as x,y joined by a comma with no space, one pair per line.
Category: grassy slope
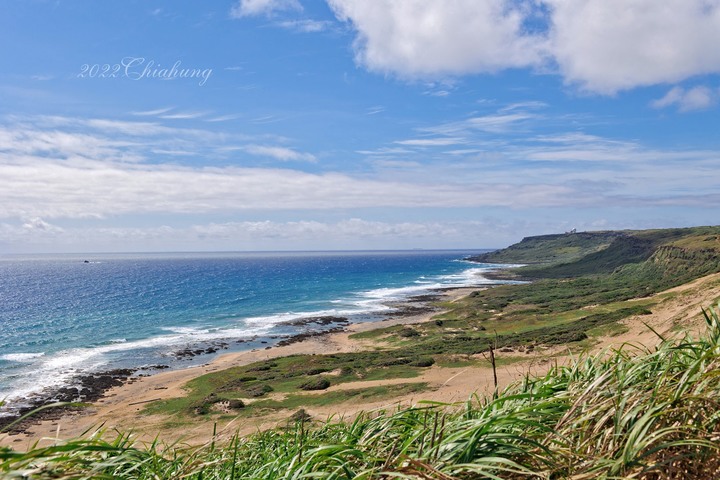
559,248
569,424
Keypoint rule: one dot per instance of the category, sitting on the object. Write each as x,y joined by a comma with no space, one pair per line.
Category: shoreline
110,388
120,409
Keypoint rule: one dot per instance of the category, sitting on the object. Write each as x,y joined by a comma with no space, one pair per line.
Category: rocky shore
85,389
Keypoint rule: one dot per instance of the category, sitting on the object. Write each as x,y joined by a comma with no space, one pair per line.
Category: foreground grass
627,413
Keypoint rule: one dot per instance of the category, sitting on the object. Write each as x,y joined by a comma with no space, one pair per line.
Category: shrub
300,416
394,361
258,390
423,362
408,332
320,383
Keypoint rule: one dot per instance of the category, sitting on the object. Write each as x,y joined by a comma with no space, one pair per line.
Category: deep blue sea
65,315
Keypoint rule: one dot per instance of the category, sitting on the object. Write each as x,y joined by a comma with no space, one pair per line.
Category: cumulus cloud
610,45
37,224
696,98
602,46
417,38
248,8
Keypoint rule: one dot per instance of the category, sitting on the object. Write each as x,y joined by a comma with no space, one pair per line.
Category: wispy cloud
375,110
279,153
386,151
152,113
59,167
183,115
266,119
305,25
223,118
431,142
696,98
529,105
250,8
497,123
437,93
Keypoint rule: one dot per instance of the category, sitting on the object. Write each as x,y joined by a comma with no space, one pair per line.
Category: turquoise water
64,315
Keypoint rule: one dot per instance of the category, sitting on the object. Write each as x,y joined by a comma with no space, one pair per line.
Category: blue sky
352,124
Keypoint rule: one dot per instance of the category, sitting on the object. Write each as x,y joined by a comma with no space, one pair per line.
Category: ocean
62,316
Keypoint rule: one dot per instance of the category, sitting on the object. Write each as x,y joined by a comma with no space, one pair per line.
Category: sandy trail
120,408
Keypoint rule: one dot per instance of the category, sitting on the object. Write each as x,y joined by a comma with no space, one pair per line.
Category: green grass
626,413
287,375
341,396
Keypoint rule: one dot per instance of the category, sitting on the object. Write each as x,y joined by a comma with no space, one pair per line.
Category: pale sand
121,406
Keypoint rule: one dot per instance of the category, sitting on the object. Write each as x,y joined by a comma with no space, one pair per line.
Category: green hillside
634,264
595,253
558,248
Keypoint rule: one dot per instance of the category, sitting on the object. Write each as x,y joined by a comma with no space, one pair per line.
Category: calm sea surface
63,315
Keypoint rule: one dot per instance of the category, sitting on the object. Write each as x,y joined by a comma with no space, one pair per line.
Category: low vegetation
571,423
626,268
641,413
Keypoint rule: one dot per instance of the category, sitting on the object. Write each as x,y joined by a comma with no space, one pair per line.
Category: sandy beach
120,408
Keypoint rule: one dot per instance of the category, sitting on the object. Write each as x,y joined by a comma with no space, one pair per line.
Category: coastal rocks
193,351
410,310
301,337
86,389
324,320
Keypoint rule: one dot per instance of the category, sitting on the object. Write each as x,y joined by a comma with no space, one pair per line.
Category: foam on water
217,318
63,366
21,357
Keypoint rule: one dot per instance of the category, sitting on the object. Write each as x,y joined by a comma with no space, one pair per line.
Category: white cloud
279,153
696,98
348,233
248,8
493,123
73,168
310,229
610,45
183,115
37,224
431,142
32,186
417,38
223,118
63,167
602,46
150,113
305,25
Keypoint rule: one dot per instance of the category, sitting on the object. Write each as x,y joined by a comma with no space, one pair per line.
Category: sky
235,125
